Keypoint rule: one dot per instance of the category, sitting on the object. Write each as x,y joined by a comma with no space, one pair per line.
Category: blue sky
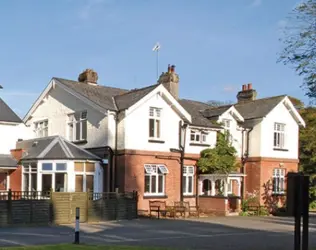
216,45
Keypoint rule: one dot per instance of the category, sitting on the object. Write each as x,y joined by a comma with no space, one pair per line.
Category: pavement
221,233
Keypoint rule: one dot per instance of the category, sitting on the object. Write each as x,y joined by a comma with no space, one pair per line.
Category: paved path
221,233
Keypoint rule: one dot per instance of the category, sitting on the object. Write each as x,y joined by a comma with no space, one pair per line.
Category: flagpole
157,64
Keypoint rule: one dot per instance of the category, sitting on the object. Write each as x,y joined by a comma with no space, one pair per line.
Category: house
11,129
139,134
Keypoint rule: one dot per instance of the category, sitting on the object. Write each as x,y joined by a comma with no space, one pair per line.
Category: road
221,233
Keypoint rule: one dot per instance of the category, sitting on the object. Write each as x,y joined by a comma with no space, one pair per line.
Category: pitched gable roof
53,148
101,95
7,114
7,161
128,99
196,109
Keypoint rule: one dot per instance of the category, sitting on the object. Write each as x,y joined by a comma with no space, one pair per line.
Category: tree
221,159
308,148
300,44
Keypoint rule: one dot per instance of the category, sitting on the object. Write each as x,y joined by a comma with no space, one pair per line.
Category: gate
64,207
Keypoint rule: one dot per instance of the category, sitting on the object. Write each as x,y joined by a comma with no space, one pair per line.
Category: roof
53,148
7,114
196,109
99,94
128,99
258,108
216,111
7,161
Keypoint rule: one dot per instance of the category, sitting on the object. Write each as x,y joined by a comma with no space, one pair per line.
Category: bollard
77,226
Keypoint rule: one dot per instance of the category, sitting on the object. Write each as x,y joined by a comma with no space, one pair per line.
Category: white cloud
229,88
256,3
87,10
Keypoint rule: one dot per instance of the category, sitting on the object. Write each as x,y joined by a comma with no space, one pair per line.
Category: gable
162,92
232,111
53,84
7,114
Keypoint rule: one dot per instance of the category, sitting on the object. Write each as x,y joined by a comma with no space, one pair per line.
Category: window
41,128
155,179
230,187
198,136
30,177
154,122
278,180
226,123
47,166
187,180
77,126
84,176
279,132
61,167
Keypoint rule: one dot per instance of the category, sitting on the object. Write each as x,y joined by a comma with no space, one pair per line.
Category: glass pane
281,184
47,166
151,111
34,182
190,184
77,116
46,182
89,183
79,183
26,182
148,169
78,131
147,184
151,127
71,132
160,184
197,137
90,167
163,169
60,182
84,115
84,130
192,136
274,185
61,167
153,184
158,128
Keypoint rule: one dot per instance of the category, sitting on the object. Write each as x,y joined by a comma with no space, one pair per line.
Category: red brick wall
131,163
213,205
16,179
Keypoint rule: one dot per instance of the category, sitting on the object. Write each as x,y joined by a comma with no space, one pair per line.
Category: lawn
86,247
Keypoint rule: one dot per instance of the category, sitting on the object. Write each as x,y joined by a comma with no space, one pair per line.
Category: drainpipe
182,152
245,156
116,154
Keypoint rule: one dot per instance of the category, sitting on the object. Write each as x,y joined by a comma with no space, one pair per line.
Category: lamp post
181,150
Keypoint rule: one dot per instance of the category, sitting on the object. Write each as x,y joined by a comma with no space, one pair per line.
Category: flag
157,47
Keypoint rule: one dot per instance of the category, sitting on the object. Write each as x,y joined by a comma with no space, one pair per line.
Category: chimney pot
172,68
249,86
169,68
244,87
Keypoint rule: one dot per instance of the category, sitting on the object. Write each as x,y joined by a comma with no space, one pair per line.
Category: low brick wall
217,205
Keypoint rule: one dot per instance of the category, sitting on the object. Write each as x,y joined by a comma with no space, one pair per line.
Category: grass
75,247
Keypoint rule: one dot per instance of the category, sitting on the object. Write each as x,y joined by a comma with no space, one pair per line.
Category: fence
59,207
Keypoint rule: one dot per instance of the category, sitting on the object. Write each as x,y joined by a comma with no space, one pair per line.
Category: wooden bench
255,207
184,207
157,206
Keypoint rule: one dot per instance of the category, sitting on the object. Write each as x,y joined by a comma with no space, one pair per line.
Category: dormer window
154,123
77,126
41,128
198,136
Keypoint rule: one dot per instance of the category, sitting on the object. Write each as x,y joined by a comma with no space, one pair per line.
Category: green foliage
308,147
220,159
300,44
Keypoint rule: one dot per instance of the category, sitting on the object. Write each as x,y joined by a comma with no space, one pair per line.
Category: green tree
221,159
300,44
308,148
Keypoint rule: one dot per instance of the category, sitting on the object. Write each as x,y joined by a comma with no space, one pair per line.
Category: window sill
199,144
279,194
152,196
280,149
188,195
155,141
80,142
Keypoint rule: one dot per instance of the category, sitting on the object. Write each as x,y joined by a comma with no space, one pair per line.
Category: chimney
247,93
170,80
17,153
88,76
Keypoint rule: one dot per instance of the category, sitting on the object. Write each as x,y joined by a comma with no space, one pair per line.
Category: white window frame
155,114
155,170
279,135
226,124
29,170
188,172
41,128
84,173
72,121
197,136
278,181
230,186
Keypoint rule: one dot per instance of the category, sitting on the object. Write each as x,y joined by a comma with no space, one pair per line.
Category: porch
220,194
